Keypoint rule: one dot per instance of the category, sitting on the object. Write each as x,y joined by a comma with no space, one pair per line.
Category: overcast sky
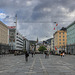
35,18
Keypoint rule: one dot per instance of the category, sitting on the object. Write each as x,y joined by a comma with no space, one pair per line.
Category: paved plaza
38,65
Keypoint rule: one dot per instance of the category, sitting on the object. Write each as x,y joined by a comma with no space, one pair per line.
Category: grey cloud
33,20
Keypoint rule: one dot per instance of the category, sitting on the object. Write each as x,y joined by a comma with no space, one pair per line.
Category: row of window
19,41
63,43
60,36
19,38
60,39
61,32
20,44
19,47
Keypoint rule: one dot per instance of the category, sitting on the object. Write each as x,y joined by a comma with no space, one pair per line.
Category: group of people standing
62,54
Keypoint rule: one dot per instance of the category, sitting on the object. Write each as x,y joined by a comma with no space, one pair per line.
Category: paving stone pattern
38,65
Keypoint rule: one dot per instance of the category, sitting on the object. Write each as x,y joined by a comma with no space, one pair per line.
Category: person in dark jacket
32,54
26,56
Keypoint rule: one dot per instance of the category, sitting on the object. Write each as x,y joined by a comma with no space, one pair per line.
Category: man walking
26,56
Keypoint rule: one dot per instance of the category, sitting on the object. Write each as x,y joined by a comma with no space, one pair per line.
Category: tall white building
19,41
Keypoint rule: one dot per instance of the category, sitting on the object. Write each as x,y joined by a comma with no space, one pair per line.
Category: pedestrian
26,56
63,54
15,53
45,54
32,54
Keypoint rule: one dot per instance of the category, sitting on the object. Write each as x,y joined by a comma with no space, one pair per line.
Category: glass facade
71,38
71,35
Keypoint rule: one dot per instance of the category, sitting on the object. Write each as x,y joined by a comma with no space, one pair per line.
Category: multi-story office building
71,38
4,47
15,39
60,40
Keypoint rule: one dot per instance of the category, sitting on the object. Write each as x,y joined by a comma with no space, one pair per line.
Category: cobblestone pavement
38,65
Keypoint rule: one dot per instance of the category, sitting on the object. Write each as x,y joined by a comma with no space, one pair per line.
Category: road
38,65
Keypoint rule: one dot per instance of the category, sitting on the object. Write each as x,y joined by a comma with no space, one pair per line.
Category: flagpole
16,30
16,22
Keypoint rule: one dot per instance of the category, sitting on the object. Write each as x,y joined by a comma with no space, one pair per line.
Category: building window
63,42
63,36
63,39
60,36
63,32
59,32
12,37
60,43
59,39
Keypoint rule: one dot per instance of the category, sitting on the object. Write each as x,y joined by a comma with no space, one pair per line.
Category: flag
56,24
55,48
54,28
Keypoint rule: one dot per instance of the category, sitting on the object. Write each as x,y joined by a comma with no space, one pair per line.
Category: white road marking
45,72
31,68
32,64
